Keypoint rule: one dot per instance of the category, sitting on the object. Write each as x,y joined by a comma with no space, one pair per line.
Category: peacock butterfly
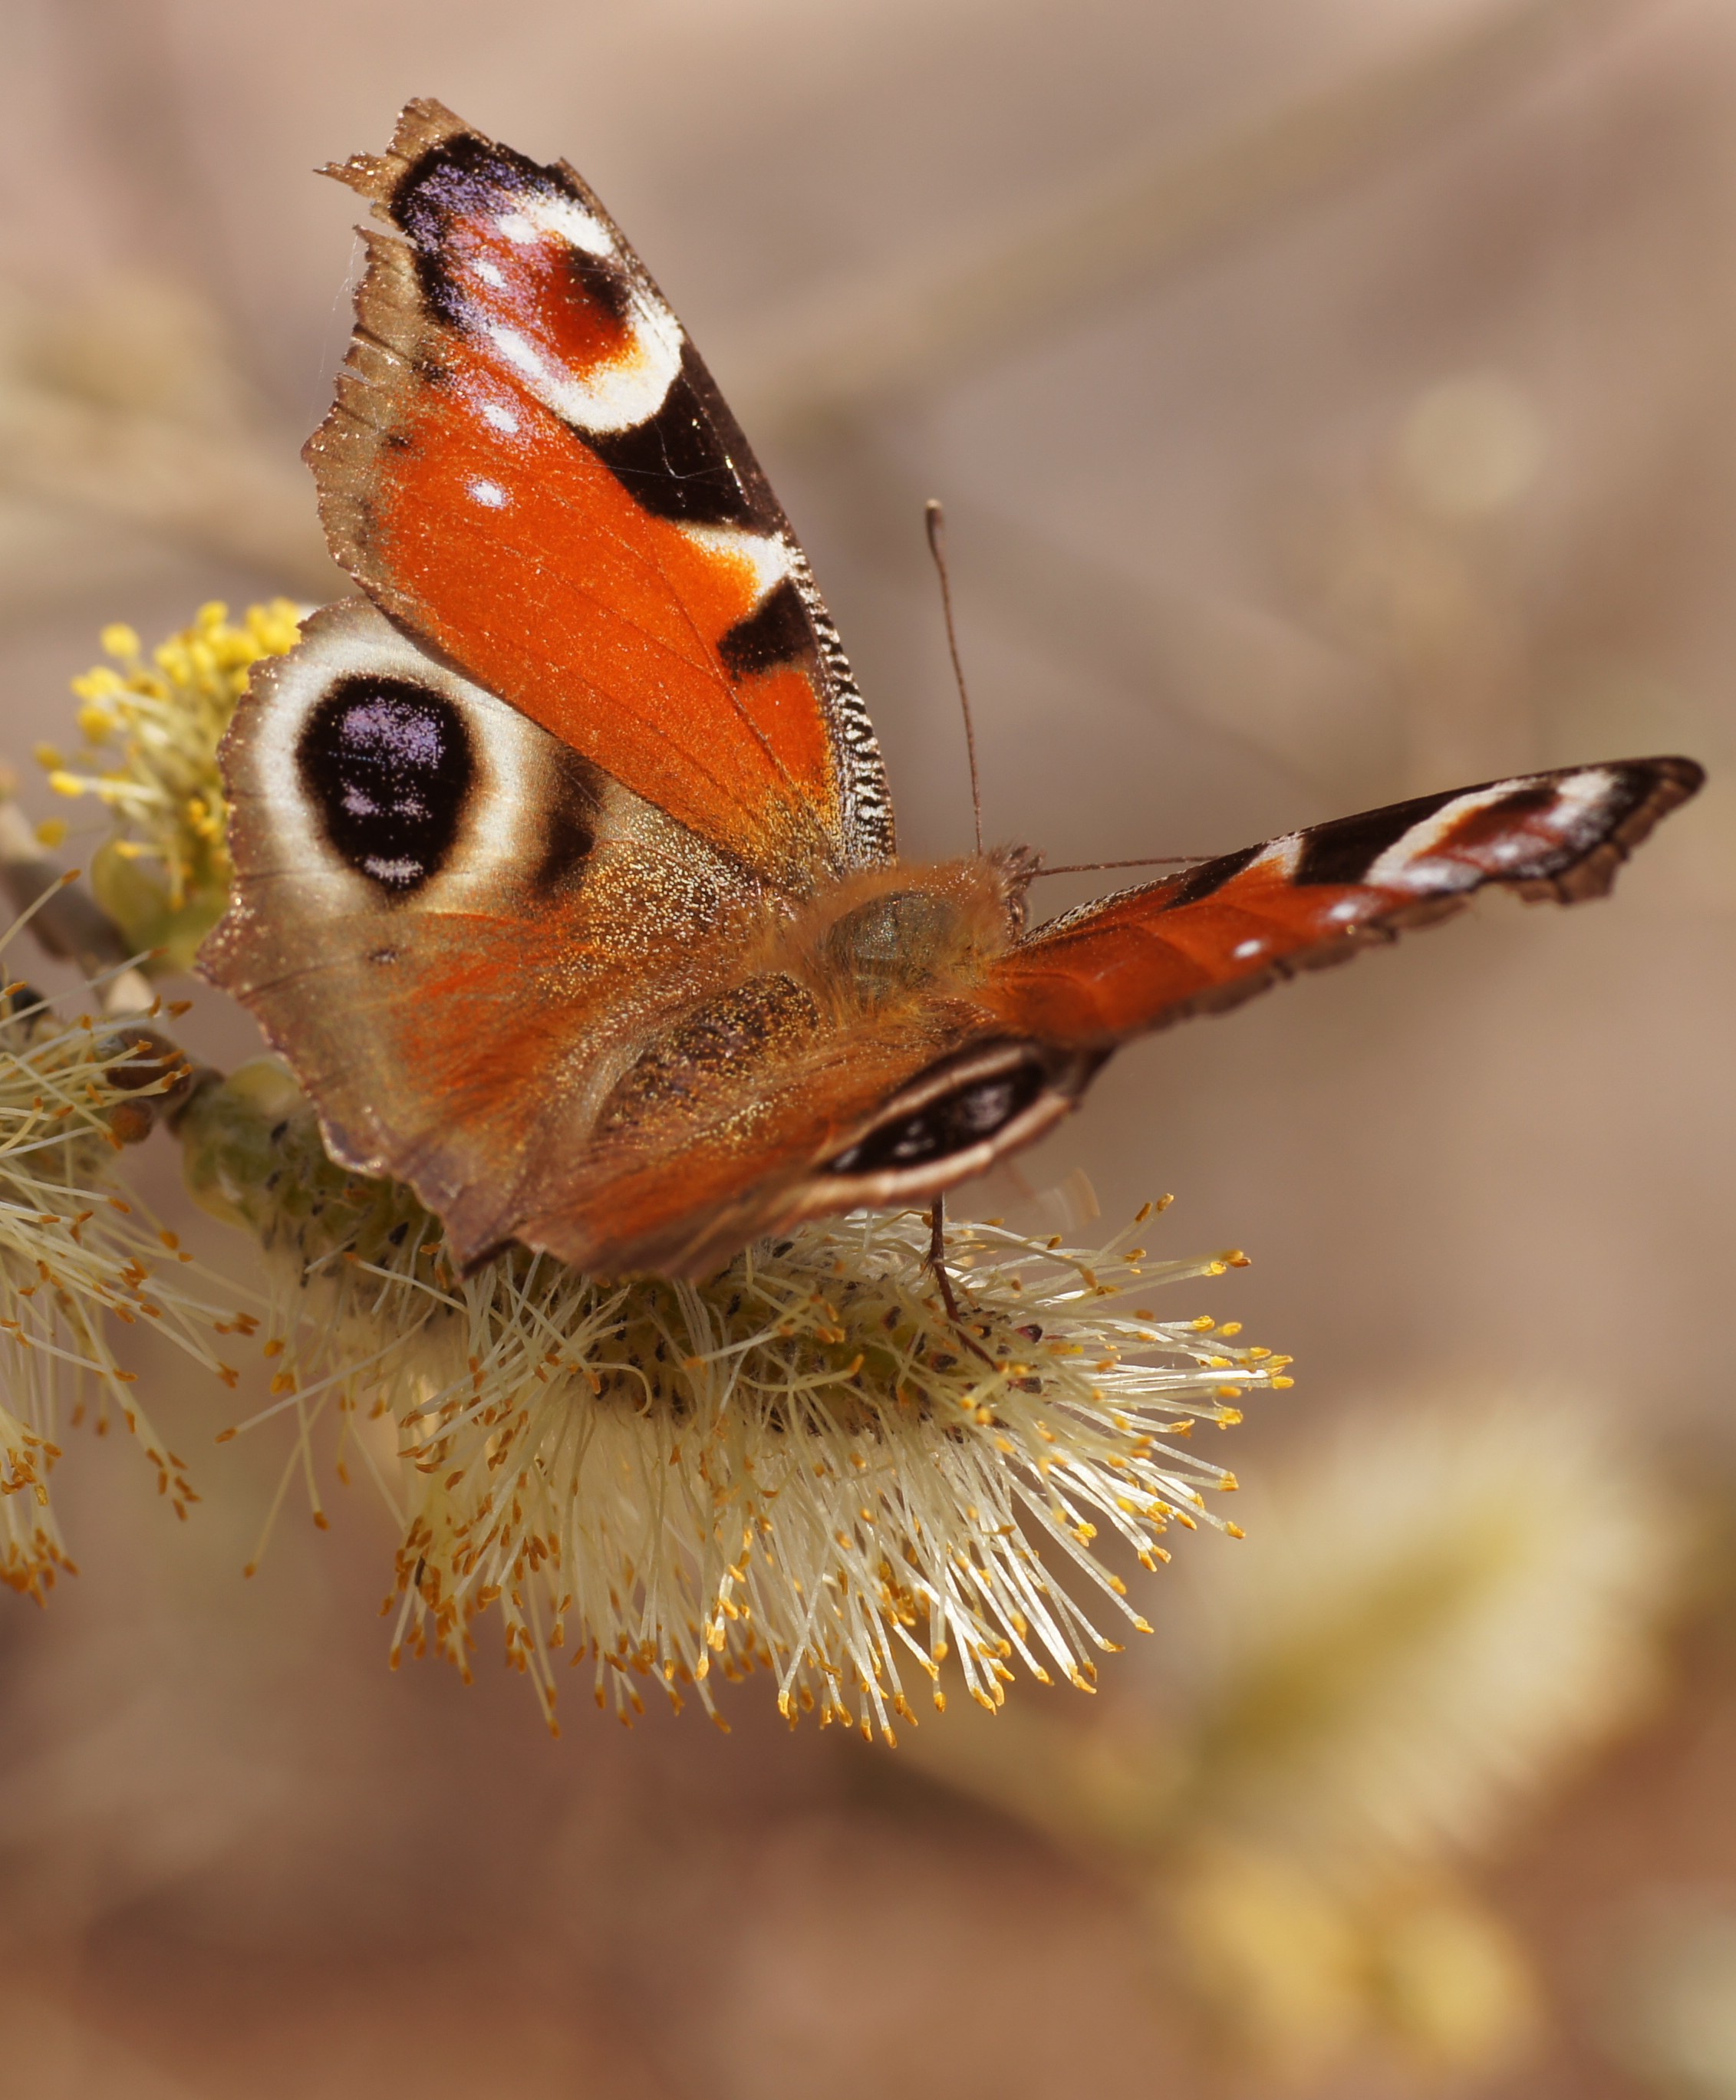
565,872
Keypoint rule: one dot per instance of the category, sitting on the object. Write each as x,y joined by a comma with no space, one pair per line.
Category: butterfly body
566,871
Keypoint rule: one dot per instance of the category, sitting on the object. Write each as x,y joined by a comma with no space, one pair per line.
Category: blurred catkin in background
1331,402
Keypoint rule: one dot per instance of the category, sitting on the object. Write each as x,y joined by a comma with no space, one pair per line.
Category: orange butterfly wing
1231,927
528,466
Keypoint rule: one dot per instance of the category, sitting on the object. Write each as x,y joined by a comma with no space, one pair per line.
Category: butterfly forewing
529,466
1228,928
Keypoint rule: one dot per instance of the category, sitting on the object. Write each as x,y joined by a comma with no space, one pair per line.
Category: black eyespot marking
953,1124
680,463
779,632
388,765
1346,849
600,280
676,464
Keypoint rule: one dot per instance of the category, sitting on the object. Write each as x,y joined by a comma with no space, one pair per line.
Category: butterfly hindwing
558,1014
456,928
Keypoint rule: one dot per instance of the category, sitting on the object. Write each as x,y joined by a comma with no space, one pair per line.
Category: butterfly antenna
935,517
1095,866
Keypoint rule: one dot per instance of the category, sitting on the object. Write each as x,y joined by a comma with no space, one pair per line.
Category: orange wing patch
532,567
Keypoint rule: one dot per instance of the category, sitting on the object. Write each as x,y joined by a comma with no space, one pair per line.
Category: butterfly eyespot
389,767
952,1122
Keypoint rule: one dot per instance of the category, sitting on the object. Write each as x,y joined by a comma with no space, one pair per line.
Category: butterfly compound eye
388,764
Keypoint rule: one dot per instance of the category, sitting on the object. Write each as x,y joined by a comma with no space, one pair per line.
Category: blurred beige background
1333,400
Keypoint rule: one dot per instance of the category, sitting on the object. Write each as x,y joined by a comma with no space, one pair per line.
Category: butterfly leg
937,1259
